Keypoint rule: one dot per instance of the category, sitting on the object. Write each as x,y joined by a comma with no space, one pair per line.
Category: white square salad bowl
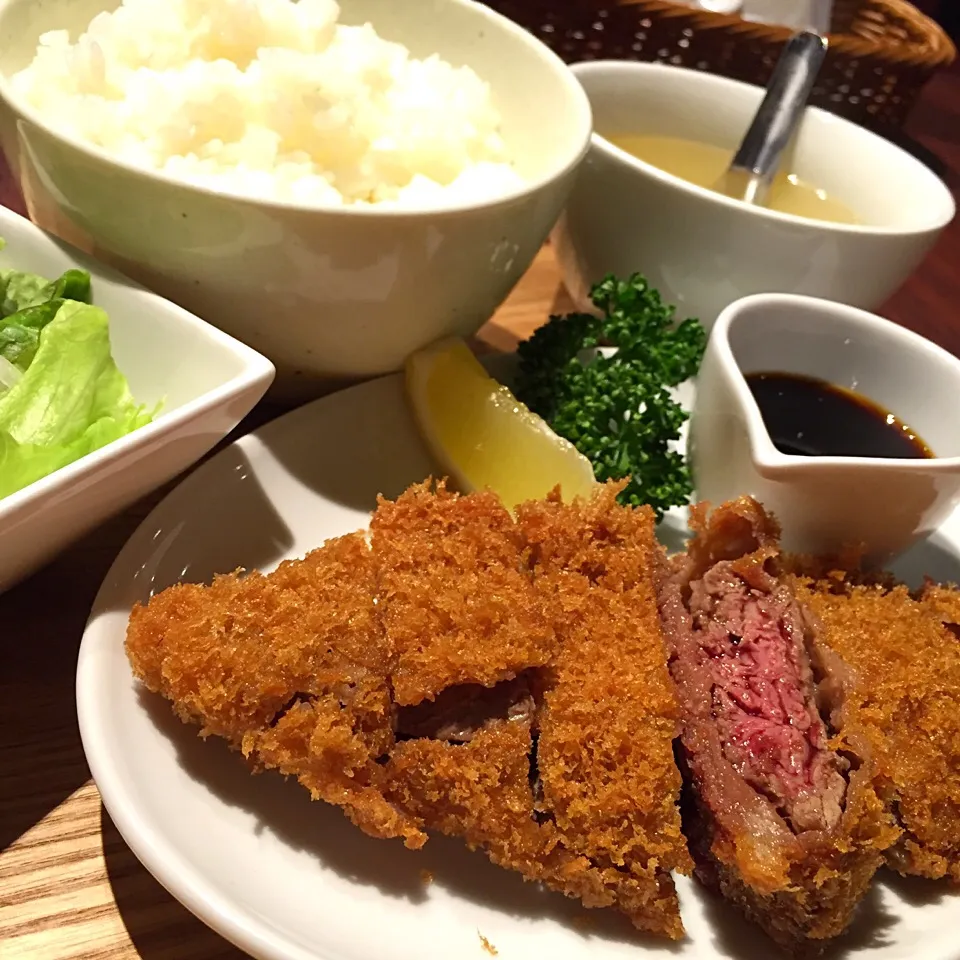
205,380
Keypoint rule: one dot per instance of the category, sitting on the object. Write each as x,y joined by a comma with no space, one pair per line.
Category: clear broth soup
704,165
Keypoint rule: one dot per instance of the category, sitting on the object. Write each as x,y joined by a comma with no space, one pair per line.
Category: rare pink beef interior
737,642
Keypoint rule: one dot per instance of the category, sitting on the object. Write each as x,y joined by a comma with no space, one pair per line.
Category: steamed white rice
273,99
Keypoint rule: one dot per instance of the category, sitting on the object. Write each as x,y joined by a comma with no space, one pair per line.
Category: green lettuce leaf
22,290
20,332
71,400
28,303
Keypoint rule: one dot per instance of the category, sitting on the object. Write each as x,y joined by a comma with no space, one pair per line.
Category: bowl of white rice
334,184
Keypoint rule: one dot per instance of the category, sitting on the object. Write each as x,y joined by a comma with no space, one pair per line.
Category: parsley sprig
618,410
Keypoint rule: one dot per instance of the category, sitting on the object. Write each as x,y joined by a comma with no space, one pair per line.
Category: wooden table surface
69,886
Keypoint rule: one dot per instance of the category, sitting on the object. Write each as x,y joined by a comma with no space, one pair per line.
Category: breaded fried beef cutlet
906,698
588,784
944,602
610,715
785,818
496,680
291,669
457,606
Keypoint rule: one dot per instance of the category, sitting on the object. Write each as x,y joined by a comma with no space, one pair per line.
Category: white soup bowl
703,250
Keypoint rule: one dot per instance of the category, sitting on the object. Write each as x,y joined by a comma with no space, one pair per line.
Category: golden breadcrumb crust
610,715
602,824
451,788
942,600
907,702
306,671
290,668
456,603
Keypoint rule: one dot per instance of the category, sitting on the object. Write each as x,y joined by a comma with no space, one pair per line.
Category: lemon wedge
482,436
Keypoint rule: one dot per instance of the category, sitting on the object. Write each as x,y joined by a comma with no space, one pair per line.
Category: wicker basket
881,52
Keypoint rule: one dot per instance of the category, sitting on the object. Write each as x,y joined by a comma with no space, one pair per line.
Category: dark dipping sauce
813,418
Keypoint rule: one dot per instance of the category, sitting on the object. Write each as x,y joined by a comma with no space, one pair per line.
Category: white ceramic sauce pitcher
827,503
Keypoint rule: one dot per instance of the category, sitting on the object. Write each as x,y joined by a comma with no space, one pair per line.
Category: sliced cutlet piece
462,765
456,602
906,698
784,820
608,782
944,601
566,774
467,773
290,668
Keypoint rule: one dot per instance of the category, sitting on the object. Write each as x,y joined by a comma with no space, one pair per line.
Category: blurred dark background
945,12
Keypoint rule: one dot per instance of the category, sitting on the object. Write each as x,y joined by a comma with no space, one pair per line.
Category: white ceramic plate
282,877
207,381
